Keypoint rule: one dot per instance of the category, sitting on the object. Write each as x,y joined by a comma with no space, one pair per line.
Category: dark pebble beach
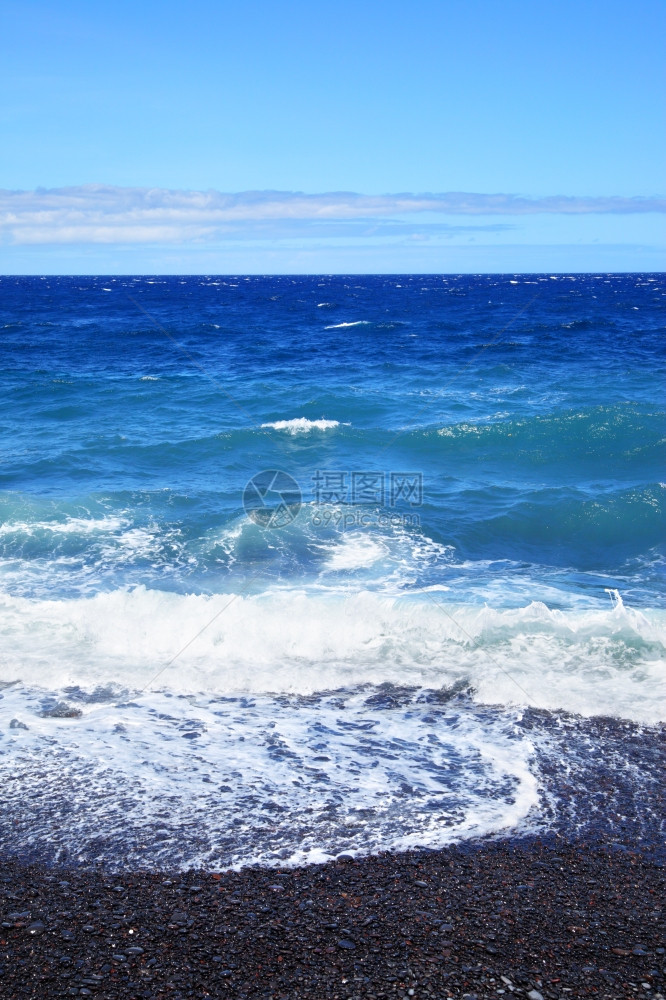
574,912
533,918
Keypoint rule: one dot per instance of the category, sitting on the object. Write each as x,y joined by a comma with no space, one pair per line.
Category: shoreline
597,779
534,917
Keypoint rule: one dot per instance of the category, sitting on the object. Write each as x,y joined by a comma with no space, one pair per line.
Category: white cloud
98,214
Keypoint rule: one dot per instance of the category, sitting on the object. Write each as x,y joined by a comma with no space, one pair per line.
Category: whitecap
340,326
301,425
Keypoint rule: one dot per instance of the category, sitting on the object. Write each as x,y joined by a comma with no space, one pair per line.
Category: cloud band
118,215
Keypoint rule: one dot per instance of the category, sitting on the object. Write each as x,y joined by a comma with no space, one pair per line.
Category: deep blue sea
286,562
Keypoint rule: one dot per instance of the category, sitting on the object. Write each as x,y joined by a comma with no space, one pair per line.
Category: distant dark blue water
476,500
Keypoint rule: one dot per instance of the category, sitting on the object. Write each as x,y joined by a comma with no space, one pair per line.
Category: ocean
299,566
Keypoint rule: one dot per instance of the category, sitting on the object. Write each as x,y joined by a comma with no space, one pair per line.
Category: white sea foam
355,551
285,726
390,557
42,558
234,781
301,425
70,526
588,661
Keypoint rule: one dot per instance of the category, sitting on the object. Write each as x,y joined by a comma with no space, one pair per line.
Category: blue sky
543,101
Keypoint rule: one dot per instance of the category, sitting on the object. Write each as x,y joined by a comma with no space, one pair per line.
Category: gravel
527,918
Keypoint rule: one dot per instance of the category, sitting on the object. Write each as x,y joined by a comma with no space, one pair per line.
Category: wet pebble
470,934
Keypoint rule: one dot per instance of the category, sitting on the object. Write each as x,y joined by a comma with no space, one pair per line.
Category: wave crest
301,425
591,662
